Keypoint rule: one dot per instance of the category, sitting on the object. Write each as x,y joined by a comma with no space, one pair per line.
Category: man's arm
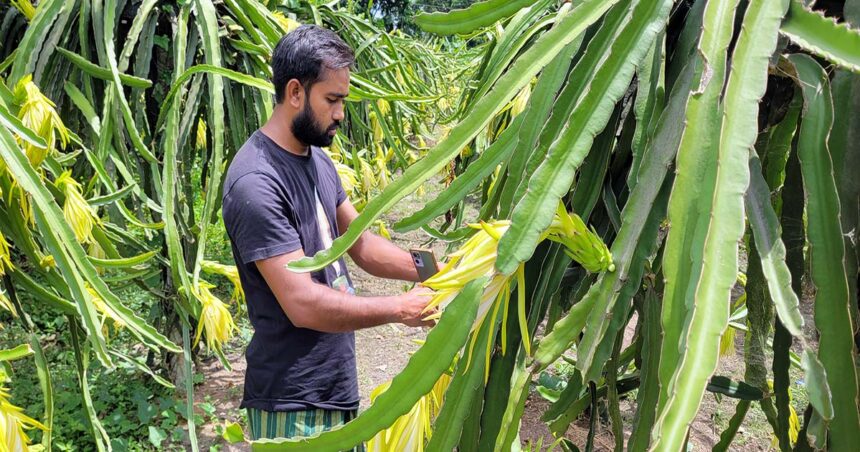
319,307
374,254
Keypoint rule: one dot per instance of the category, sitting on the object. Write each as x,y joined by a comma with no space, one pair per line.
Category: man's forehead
329,75
334,82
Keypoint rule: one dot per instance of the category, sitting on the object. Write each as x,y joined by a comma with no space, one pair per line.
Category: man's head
310,71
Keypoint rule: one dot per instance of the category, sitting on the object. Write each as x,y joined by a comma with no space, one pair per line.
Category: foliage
684,135
118,121
676,131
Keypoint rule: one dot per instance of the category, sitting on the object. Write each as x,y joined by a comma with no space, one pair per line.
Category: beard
307,130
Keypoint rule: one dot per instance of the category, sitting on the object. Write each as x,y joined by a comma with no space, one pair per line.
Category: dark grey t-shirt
270,209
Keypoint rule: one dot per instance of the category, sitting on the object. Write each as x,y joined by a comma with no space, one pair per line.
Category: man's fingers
425,291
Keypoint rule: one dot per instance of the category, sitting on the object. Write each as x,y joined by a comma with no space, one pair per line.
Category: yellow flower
411,157
76,210
376,127
521,100
228,271
582,245
95,250
106,311
383,231
793,420
200,142
381,169
410,431
475,259
5,256
287,24
466,152
25,7
336,149
13,421
384,108
38,114
47,262
368,176
6,304
727,342
347,177
214,318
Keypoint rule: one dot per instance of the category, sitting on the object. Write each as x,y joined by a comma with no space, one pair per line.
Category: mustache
334,126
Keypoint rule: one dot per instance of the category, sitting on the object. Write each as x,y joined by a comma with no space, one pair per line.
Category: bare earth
382,352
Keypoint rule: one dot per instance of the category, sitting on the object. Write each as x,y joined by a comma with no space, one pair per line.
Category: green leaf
477,15
111,197
782,383
101,73
649,102
482,167
420,374
695,151
11,354
141,366
119,93
205,11
42,293
728,435
520,31
817,386
233,433
188,367
80,100
649,391
467,384
14,124
521,72
827,252
845,153
82,362
822,36
28,49
767,234
56,232
140,18
660,154
168,179
519,392
238,77
553,178
734,389
156,436
714,250
541,118
47,389
123,262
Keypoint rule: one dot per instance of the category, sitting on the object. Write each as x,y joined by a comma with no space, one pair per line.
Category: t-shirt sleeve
256,216
340,196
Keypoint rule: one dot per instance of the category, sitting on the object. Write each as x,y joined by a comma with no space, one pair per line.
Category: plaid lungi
296,424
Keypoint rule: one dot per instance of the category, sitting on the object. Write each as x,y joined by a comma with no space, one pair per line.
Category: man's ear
294,94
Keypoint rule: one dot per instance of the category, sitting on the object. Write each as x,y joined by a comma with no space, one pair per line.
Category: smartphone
425,263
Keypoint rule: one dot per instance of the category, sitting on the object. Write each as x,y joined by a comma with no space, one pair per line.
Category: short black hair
303,53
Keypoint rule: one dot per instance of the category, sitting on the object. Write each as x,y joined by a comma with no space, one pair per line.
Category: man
283,200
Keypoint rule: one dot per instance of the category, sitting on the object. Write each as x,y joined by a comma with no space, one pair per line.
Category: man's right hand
412,306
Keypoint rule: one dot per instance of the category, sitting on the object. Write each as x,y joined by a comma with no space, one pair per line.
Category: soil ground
383,351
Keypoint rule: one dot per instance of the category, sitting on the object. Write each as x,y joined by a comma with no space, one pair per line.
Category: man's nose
338,113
